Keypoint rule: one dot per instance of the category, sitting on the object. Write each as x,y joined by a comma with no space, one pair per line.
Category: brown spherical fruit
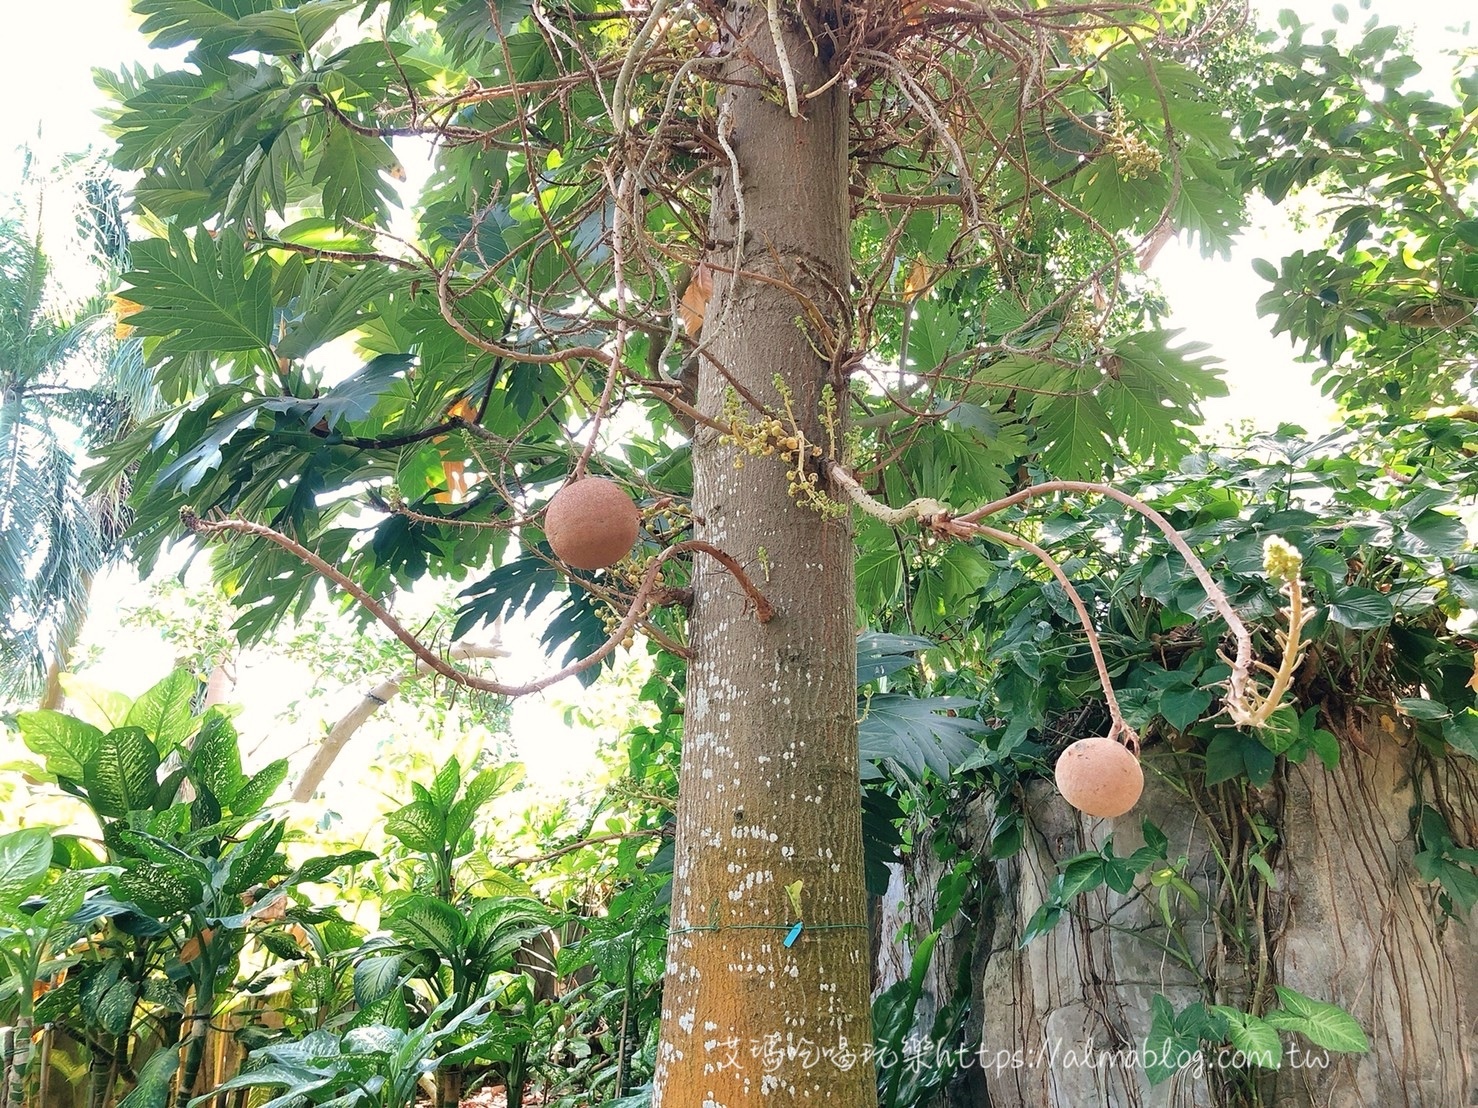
1099,777
591,523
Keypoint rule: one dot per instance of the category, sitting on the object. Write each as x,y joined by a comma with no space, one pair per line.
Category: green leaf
913,734
65,896
446,783
1461,732
100,707
375,978
316,869
1281,731
159,891
200,296
1078,435
1323,1024
1361,609
1442,534
1043,920
428,922
419,826
154,1080
1419,707
25,856
1081,875
121,775
177,22
215,758
252,797
256,859
280,32
164,712
1232,754
1182,706
1154,838
1326,746
354,398
64,741
1166,1049
352,171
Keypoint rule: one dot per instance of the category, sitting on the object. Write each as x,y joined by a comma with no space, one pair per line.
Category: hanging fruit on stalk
591,523
1100,777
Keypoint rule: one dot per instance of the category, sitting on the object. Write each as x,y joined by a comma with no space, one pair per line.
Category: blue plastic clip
795,933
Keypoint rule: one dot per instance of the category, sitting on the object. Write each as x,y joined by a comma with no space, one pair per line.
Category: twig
628,65
1245,704
371,702
923,509
1241,666
570,848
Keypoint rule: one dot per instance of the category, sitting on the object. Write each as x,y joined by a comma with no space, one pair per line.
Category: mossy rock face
591,523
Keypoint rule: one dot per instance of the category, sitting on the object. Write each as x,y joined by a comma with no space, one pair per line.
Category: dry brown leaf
695,299
919,277
121,309
454,473
194,946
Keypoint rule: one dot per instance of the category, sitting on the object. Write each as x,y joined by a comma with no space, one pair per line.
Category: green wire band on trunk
766,927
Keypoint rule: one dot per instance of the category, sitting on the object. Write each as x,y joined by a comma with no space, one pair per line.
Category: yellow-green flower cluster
1281,560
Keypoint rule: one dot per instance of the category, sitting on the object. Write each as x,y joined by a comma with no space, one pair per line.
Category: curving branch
1242,664
1246,705
763,610
1119,729
371,702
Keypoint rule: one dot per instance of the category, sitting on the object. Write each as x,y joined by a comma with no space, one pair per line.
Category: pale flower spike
1281,561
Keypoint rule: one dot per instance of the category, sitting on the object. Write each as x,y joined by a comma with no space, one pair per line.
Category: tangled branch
1245,704
435,662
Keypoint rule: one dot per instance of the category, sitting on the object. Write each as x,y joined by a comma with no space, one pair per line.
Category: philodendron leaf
1167,1047
1255,1038
1361,609
1323,1024
121,775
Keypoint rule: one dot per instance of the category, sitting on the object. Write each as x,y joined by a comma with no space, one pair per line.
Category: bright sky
50,79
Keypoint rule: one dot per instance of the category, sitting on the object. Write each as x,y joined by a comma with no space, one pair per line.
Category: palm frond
66,385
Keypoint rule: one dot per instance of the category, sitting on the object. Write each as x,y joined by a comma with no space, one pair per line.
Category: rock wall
1349,921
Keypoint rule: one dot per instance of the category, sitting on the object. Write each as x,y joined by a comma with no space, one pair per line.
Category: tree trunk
1350,922
53,696
769,796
